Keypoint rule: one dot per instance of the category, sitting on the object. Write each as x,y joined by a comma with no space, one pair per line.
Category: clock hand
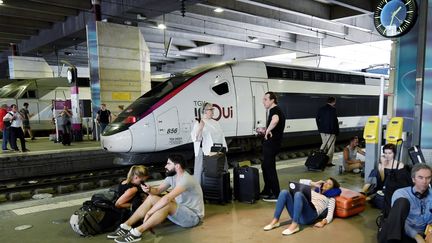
394,15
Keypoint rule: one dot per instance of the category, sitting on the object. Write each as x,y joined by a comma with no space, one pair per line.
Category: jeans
298,207
5,138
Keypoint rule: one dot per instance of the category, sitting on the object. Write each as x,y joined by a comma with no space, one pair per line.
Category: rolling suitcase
349,203
416,155
217,189
246,184
214,166
317,161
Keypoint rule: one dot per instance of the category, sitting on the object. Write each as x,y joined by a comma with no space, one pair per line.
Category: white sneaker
356,171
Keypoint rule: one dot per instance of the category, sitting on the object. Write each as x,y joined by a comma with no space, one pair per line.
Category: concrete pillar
14,50
119,64
413,81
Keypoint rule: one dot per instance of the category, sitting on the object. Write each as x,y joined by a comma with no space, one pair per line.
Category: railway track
26,188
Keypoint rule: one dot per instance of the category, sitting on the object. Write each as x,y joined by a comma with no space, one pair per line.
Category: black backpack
96,216
8,123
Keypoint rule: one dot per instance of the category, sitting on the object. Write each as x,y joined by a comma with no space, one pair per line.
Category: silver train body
161,120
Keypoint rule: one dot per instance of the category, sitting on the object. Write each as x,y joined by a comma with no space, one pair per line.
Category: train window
221,89
29,94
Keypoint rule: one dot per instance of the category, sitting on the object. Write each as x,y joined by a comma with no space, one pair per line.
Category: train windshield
135,110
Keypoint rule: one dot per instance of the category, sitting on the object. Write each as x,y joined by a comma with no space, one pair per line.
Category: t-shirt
25,114
104,116
277,132
192,197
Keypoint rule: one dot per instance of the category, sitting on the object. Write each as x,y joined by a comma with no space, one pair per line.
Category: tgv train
160,121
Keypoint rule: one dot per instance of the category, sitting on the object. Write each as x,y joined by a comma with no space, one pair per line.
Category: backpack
96,216
7,123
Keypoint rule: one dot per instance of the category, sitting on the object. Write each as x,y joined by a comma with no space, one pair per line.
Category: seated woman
350,161
131,196
301,212
375,181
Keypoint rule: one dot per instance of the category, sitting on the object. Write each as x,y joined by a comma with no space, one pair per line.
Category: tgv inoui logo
218,113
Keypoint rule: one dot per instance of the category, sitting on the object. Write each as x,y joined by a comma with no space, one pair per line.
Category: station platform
47,158
234,222
42,145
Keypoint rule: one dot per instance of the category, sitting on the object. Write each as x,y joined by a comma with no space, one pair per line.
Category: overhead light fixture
1,2
218,10
141,17
161,26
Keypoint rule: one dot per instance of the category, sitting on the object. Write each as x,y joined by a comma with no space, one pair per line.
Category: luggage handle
218,148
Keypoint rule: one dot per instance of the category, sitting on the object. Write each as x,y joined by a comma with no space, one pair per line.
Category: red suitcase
349,203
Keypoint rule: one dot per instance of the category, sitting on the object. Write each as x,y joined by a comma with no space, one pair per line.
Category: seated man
184,205
411,210
350,161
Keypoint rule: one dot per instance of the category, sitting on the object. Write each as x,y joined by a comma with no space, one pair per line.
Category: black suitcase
318,160
246,184
217,189
214,166
416,155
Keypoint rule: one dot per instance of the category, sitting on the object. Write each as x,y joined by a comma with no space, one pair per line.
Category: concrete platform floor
235,222
42,145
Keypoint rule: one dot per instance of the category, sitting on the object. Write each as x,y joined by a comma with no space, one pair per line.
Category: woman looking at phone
130,193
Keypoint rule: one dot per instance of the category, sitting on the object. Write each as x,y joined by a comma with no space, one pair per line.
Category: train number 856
171,130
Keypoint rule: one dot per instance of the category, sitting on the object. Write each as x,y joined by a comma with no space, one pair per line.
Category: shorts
184,217
26,124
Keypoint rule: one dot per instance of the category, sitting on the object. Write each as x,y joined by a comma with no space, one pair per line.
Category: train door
258,91
168,129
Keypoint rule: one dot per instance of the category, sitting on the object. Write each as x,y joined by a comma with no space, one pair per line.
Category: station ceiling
55,29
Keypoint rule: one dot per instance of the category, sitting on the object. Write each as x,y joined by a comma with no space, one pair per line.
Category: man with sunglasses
411,210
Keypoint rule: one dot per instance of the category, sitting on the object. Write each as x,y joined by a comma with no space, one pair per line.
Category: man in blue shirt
411,210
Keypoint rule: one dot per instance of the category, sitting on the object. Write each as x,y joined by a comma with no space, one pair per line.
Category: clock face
393,18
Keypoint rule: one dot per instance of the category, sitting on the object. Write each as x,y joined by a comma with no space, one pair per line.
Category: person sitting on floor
183,205
411,210
300,210
131,196
350,161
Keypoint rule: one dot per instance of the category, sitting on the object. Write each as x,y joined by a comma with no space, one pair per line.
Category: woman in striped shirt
301,211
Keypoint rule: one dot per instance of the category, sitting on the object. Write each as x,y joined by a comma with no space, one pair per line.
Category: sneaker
271,198
117,233
264,195
26,150
355,171
128,238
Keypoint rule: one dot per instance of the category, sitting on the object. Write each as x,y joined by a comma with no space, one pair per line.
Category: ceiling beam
10,12
77,4
23,23
361,6
17,31
39,7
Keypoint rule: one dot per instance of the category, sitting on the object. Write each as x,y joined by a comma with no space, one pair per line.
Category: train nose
120,142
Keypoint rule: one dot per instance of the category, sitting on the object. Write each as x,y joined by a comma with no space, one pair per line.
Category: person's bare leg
158,217
143,209
274,221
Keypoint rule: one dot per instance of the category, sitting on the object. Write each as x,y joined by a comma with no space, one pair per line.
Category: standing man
411,210
5,130
328,127
271,145
15,128
103,117
26,121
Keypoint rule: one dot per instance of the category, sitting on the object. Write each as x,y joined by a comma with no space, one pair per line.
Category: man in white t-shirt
15,119
183,205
